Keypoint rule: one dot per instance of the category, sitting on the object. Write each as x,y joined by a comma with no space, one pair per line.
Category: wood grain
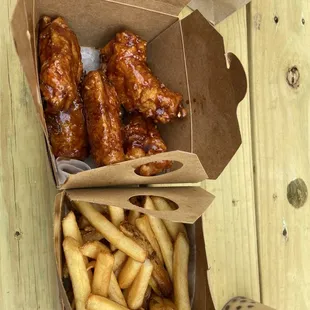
229,224
279,65
27,267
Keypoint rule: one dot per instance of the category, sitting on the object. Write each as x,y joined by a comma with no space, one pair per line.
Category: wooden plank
229,224
279,66
27,265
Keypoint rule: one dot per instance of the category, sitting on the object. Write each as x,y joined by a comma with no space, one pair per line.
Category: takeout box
187,55
191,202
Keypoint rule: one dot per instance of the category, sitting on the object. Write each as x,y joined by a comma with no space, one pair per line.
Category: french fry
160,274
102,274
77,271
133,215
70,228
162,237
110,232
158,303
91,249
180,272
115,292
153,284
92,235
128,273
143,225
139,286
147,297
83,222
96,302
119,260
173,228
117,216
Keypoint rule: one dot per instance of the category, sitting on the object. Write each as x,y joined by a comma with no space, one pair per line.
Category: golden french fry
153,284
160,274
180,272
91,265
91,249
162,237
128,273
133,215
119,260
102,274
83,222
110,232
96,302
115,292
117,215
92,235
173,228
158,303
70,228
77,271
139,286
143,225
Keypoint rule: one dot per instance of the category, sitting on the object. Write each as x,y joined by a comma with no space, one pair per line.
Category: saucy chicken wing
102,110
138,89
67,132
60,64
142,138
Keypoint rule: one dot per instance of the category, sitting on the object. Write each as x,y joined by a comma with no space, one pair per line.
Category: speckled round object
243,303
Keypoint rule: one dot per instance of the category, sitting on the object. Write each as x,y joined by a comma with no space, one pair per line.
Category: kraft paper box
191,202
187,55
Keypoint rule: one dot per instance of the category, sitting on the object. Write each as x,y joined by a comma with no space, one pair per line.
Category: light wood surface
229,224
256,241
27,267
278,42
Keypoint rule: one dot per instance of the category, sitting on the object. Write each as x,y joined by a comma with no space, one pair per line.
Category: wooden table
256,240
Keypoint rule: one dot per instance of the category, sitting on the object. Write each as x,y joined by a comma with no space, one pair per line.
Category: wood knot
297,193
17,235
293,77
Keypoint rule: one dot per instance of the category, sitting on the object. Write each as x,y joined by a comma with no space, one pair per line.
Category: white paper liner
65,167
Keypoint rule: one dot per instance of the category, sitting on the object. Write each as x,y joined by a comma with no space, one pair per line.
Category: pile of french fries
120,260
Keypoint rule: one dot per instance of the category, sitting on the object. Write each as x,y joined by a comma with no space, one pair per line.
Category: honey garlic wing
67,132
142,138
138,89
102,111
60,64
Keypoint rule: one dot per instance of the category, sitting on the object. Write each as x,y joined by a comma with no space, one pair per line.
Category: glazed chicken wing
67,132
102,110
60,64
138,89
142,138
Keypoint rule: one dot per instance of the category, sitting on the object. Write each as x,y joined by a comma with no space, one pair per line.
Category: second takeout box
187,55
191,203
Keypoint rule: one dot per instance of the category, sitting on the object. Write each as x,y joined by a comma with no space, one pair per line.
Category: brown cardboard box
191,201
217,10
188,56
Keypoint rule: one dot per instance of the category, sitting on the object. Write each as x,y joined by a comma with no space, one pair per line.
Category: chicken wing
67,132
60,64
138,89
102,110
142,138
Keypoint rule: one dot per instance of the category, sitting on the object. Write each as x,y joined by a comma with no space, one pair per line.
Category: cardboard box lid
217,10
191,201
173,7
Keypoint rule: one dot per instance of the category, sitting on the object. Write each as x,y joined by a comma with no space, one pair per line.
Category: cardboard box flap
217,10
188,170
173,7
217,85
191,201
23,35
